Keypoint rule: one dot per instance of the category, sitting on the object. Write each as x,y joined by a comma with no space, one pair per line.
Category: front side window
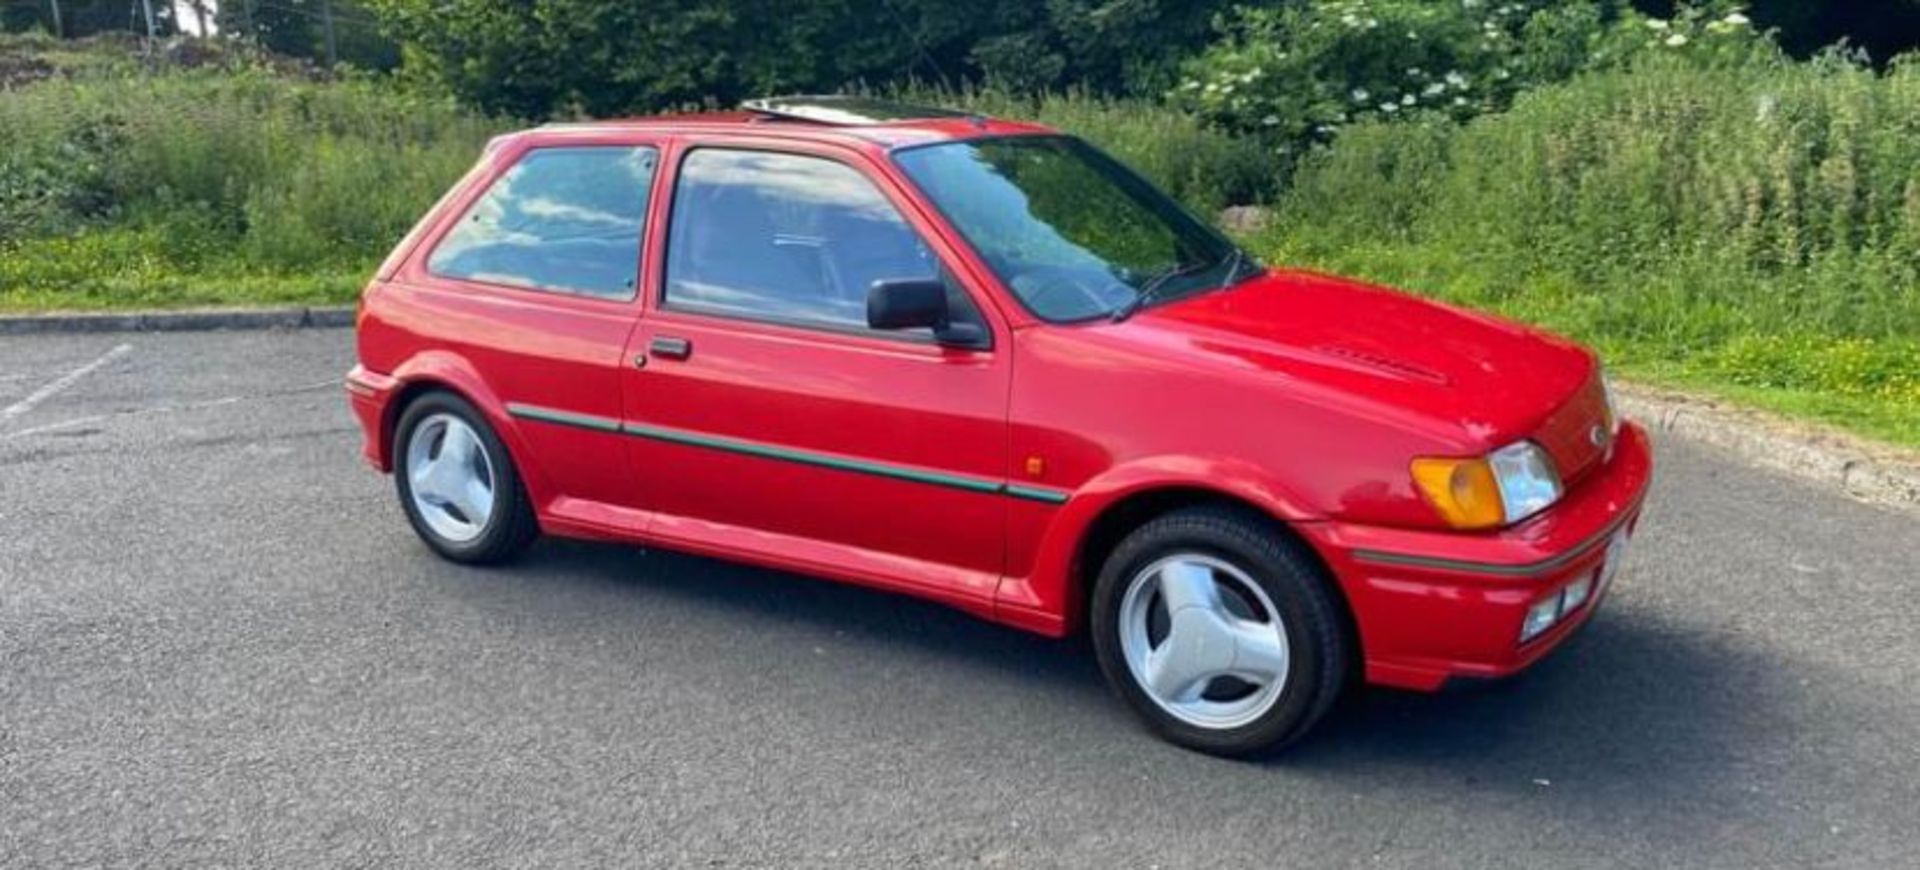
790,238
1073,233
567,220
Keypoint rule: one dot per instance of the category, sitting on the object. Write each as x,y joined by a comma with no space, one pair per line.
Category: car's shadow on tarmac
1625,704
759,600
1630,706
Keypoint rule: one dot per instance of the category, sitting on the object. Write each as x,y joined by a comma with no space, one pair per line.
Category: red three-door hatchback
983,363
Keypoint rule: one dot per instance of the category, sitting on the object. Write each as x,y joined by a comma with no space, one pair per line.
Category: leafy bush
1758,225
51,189
1125,47
1301,72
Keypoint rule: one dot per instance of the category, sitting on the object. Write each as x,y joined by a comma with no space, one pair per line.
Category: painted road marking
223,401
54,387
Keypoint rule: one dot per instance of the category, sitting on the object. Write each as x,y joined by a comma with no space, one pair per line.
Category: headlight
1528,481
1506,486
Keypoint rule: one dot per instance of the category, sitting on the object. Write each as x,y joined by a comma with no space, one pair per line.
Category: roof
882,122
845,111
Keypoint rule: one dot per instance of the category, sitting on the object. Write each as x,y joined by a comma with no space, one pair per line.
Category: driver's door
772,422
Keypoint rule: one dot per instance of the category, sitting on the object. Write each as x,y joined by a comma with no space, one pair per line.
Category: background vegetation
1713,193
224,180
1756,228
232,177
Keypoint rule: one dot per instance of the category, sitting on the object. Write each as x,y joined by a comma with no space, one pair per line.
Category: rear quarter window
565,220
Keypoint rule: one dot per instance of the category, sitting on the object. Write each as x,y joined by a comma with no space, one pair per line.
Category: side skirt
971,591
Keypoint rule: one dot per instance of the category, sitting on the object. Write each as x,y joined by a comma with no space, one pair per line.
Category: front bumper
370,395
1434,605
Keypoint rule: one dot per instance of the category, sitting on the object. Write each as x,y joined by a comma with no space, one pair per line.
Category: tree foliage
85,17
541,57
297,28
537,58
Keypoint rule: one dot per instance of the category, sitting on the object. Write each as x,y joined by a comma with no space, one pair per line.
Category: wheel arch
1052,598
1123,515
1129,512
404,395
440,371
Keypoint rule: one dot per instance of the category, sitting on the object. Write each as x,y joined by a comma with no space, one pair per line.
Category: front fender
1050,596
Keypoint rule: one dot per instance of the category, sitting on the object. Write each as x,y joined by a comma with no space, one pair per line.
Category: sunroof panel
850,111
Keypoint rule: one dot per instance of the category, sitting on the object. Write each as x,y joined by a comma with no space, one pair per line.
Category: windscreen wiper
1151,290
1234,261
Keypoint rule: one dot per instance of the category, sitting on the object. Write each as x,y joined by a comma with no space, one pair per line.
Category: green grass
1750,233
1891,422
160,266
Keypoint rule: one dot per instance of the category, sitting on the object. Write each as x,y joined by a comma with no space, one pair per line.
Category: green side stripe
787,454
564,418
1050,496
750,448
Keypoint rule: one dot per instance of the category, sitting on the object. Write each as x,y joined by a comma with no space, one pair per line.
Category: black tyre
457,483
1221,632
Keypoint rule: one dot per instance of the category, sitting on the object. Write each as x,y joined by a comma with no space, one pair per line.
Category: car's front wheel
1218,631
458,484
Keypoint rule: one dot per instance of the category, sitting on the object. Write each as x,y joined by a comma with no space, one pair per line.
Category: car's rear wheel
457,484
1220,632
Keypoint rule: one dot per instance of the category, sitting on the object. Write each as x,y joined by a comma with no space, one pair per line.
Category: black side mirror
907,303
919,303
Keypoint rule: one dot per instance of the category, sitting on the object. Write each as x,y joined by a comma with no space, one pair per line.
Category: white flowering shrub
1300,72
1707,34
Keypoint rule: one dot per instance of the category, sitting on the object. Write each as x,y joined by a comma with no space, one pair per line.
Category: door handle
668,347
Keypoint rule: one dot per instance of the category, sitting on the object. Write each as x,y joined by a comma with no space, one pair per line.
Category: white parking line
58,384
223,401
118,415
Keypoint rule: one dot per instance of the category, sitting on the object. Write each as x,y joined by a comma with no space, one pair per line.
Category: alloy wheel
1204,641
450,477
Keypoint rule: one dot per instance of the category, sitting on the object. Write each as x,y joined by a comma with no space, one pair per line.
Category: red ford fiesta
983,363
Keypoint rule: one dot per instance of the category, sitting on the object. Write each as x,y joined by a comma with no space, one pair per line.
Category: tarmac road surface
221,645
